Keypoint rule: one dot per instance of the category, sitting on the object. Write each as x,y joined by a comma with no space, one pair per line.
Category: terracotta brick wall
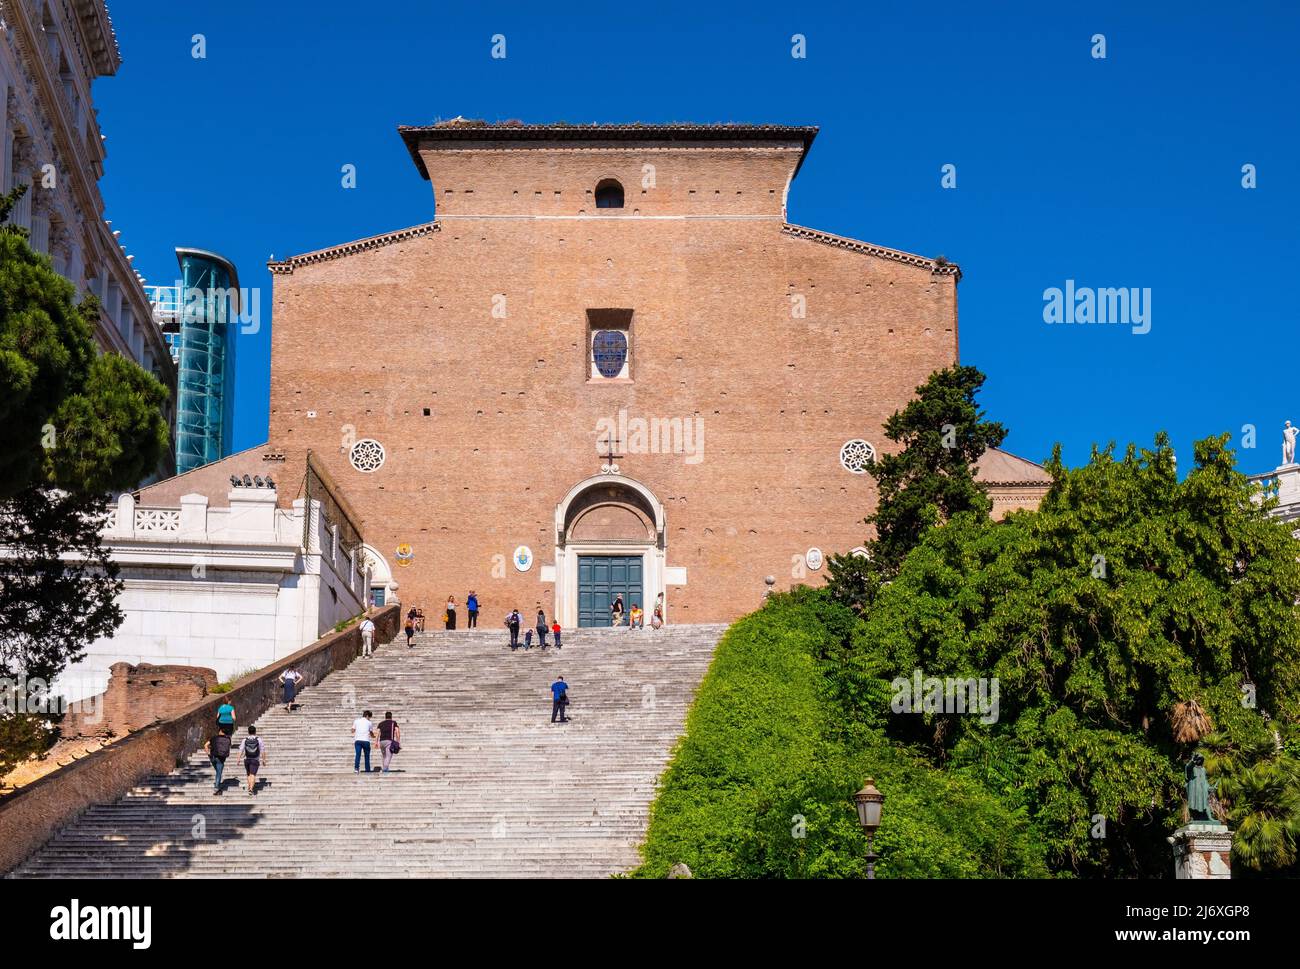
137,696
371,340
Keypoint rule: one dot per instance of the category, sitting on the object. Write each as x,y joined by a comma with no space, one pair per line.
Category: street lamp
870,803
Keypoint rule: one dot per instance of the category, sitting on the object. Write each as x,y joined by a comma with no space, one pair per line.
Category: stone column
1202,849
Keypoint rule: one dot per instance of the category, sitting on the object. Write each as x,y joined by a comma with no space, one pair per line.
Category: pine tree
74,425
929,480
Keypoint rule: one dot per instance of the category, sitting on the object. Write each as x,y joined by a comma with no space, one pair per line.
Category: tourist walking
616,610
555,631
253,749
218,749
363,731
449,617
410,632
636,620
367,636
290,678
559,700
542,628
226,718
389,735
513,620
471,608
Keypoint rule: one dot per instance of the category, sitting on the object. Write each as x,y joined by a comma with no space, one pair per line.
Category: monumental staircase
484,786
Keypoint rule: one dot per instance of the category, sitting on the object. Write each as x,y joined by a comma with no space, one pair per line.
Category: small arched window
609,194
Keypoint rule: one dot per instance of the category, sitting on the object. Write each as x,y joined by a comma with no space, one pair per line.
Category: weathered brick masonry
369,335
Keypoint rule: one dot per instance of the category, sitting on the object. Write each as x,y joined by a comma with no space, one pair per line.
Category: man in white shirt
362,732
367,636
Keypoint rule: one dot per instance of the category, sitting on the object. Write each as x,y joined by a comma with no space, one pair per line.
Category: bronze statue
1198,790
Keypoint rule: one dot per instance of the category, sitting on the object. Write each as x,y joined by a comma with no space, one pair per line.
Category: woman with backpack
218,749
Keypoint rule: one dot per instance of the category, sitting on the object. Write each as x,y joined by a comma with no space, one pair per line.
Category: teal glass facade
205,387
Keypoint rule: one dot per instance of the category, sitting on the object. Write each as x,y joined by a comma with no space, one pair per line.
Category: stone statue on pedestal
1289,435
1202,847
1198,790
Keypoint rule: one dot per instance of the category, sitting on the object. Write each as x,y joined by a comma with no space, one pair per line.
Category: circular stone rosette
367,455
856,455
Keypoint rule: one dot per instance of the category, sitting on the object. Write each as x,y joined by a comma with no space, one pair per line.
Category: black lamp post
870,803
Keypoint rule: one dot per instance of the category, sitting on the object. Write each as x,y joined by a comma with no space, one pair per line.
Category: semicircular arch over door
609,533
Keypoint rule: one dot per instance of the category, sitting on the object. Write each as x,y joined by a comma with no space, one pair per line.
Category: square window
609,345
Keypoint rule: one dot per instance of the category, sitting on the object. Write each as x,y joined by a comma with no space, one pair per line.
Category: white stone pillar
1202,850
252,515
125,527
194,516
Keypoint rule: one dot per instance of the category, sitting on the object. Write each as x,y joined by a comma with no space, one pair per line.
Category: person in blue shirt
226,719
471,606
559,700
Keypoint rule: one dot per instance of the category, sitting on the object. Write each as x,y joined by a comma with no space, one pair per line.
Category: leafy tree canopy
1126,593
69,416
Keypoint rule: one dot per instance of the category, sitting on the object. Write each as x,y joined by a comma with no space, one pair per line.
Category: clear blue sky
1117,172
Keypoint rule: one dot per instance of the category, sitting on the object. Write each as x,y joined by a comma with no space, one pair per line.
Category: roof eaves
287,266
937,267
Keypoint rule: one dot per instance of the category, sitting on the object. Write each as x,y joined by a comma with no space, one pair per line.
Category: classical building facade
50,53
610,364
218,576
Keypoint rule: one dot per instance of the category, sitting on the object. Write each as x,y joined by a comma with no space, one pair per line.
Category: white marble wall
231,589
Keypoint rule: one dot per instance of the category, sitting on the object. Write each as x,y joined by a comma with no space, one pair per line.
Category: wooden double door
601,578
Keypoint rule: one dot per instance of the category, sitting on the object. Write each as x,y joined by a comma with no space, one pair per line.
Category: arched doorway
383,587
609,538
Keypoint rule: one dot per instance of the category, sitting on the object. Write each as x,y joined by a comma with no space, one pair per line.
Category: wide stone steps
485,785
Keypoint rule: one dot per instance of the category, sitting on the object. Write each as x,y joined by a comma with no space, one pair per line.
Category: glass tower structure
205,386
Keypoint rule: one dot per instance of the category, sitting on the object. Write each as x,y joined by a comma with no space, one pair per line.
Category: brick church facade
610,353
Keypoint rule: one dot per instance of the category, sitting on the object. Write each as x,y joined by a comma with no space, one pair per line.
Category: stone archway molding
655,572
604,480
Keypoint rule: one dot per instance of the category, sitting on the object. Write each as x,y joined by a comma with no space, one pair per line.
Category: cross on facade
609,467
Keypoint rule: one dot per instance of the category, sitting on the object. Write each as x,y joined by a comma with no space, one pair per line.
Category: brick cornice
842,242
287,266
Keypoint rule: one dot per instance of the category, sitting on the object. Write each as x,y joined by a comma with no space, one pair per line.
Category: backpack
252,747
221,746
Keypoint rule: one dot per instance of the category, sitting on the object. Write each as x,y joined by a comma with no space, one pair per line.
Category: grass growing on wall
761,784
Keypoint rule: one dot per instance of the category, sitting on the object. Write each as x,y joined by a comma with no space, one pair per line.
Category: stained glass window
609,352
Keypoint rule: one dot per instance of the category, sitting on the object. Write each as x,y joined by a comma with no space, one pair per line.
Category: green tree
74,425
1126,593
761,785
929,480
69,417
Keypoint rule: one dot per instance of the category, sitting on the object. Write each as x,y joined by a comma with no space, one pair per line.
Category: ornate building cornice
937,267
287,266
